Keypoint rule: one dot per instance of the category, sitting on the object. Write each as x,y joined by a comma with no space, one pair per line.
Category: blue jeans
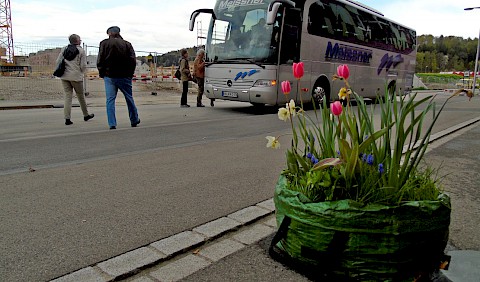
112,85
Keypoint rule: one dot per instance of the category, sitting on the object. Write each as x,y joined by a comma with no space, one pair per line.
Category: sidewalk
171,97
235,247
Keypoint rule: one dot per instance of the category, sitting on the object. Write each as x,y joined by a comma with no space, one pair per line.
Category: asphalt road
97,193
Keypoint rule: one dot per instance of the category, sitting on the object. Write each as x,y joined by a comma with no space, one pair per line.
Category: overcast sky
162,25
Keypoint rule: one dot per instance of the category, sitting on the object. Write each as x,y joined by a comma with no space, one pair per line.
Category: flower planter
362,243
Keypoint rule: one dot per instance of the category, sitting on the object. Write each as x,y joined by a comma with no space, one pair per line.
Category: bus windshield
239,33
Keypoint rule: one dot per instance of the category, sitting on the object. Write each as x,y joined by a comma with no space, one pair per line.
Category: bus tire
321,92
258,105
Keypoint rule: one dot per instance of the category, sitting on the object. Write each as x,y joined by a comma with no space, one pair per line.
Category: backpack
178,74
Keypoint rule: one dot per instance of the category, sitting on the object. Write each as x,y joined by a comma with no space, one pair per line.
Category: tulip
286,87
343,71
336,108
298,70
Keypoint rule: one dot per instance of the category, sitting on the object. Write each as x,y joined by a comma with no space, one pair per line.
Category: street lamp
476,57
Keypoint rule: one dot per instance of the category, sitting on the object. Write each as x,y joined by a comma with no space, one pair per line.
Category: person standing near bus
116,64
185,77
72,79
199,73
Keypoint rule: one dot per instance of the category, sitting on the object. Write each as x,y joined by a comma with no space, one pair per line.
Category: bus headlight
265,83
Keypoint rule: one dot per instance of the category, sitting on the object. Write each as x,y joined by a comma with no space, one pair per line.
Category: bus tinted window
335,20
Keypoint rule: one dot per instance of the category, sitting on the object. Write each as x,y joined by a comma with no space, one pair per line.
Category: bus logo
388,61
227,4
242,75
344,52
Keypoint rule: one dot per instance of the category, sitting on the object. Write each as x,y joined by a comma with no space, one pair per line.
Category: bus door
289,37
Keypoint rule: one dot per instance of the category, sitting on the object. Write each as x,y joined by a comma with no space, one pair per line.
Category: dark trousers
200,84
183,100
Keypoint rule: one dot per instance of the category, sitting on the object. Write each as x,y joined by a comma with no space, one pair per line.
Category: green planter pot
368,243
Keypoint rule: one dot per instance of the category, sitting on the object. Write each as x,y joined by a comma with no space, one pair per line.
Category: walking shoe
136,123
185,106
211,103
68,122
200,105
90,116
113,127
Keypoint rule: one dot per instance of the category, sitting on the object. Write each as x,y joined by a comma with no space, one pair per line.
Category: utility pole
476,57
6,35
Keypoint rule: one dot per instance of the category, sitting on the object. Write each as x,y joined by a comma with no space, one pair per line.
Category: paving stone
88,274
179,269
268,204
130,261
253,234
464,266
142,279
217,227
221,249
179,242
248,214
271,221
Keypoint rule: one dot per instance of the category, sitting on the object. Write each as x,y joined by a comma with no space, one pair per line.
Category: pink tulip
286,87
343,71
298,70
336,108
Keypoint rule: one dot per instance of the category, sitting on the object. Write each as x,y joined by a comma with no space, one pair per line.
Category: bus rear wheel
321,93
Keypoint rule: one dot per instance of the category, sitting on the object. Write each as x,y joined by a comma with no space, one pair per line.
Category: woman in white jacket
72,79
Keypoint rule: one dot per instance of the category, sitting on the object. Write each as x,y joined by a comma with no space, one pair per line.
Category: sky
162,25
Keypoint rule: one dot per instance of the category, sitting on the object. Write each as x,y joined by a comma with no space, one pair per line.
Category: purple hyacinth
381,169
370,159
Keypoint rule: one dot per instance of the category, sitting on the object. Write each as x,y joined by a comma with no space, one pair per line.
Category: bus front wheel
391,90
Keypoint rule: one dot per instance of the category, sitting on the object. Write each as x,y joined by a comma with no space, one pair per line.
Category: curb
169,258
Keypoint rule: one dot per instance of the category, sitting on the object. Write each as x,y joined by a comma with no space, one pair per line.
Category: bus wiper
219,62
250,61
227,61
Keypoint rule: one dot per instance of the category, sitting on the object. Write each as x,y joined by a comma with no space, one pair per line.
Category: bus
252,44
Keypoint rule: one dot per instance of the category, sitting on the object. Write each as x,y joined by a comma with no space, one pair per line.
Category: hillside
173,57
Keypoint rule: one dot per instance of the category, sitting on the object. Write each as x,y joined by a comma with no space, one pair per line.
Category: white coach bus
252,45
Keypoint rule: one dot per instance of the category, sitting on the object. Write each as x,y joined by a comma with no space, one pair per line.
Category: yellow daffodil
343,93
273,142
283,114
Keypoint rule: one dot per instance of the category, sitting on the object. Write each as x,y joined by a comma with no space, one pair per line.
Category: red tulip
298,70
286,87
336,108
343,71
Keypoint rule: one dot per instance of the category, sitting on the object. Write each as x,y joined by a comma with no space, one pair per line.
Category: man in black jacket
116,65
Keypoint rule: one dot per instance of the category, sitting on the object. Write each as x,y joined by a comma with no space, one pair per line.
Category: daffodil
273,142
283,114
342,94
291,107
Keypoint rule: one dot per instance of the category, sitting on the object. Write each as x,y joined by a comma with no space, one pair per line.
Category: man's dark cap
114,29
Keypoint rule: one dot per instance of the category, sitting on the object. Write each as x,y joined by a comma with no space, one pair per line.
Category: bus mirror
195,14
192,19
272,13
273,9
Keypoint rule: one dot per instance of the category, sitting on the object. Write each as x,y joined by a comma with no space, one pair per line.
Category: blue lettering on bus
388,61
242,75
344,52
